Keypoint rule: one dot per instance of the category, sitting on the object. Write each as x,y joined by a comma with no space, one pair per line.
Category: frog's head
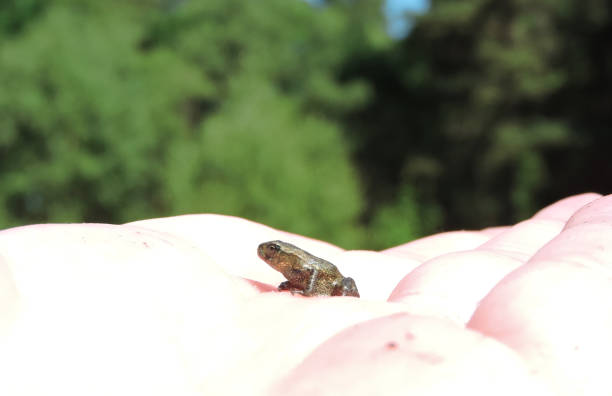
270,251
277,254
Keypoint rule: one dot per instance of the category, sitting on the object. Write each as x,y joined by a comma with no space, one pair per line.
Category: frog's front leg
286,285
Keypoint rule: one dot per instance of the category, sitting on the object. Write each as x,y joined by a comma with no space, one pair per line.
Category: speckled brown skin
306,274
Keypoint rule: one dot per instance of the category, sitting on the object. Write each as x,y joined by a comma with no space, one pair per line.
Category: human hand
183,306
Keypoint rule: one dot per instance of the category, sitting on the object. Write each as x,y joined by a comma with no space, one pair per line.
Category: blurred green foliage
488,110
306,118
118,112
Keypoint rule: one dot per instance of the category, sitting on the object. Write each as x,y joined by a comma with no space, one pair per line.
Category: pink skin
183,305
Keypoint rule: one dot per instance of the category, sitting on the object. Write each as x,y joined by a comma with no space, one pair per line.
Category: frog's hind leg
312,283
348,288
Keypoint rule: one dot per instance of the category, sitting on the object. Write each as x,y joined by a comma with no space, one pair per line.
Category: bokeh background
365,123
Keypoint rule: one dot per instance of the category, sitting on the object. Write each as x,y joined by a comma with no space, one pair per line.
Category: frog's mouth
261,253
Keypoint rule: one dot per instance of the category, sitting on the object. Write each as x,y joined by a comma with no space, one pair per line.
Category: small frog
306,274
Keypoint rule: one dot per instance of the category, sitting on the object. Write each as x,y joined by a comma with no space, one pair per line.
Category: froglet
306,274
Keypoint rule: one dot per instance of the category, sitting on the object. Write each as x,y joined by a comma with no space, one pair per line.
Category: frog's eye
274,248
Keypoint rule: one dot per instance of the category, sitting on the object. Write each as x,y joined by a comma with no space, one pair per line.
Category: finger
523,240
494,231
424,249
556,309
562,210
436,287
452,285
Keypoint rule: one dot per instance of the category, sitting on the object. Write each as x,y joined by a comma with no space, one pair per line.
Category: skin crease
184,306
